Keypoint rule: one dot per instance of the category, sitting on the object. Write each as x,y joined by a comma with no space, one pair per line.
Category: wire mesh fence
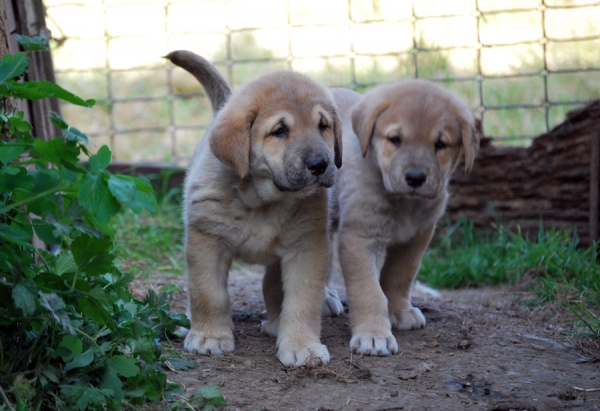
520,64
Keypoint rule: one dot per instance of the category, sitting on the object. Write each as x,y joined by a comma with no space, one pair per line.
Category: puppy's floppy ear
230,134
337,134
470,138
364,115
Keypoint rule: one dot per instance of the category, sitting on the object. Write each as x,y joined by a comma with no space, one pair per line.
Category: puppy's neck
257,192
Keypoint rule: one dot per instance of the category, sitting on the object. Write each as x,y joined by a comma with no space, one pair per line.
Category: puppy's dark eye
323,126
440,145
395,140
281,131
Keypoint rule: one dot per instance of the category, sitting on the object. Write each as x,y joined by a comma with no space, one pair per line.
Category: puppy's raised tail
214,83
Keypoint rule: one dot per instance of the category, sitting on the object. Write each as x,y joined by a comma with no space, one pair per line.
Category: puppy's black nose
316,165
415,178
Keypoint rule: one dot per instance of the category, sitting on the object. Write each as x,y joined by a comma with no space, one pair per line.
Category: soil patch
482,349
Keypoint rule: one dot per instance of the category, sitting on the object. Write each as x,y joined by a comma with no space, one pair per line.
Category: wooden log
550,181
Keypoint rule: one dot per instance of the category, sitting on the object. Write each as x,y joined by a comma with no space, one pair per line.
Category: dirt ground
481,350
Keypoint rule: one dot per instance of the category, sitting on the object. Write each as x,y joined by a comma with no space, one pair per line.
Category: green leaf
50,372
23,295
72,347
11,171
14,233
115,366
124,366
99,161
92,255
56,306
95,196
133,192
212,396
95,312
37,90
83,397
35,43
143,347
18,124
56,151
81,360
12,182
13,65
45,179
73,134
57,120
181,364
65,263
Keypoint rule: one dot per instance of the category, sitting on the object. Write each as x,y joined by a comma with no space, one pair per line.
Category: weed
71,334
464,258
207,398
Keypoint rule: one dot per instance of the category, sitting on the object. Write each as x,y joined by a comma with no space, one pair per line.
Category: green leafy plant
72,337
208,398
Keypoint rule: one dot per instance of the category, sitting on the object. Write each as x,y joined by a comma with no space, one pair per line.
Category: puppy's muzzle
415,179
317,165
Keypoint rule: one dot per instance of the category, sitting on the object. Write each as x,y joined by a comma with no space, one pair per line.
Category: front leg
399,271
333,305
208,262
361,259
304,270
273,295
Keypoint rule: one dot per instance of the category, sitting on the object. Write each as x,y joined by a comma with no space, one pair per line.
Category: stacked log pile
555,180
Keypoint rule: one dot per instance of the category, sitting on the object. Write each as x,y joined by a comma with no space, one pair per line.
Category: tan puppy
401,144
256,190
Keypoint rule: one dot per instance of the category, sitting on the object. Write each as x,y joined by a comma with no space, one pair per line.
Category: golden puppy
257,190
401,144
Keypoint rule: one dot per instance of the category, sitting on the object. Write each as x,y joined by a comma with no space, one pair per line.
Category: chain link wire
521,65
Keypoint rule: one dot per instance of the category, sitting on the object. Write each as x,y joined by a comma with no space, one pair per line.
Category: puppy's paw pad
198,342
409,319
383,344
332,307
314,355
270,327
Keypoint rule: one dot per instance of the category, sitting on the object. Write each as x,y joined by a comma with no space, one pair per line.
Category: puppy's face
283,130
417,131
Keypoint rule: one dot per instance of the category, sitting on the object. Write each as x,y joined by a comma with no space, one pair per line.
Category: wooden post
29,18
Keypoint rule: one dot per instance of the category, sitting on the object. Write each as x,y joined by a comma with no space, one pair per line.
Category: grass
562,272
149,245
555,268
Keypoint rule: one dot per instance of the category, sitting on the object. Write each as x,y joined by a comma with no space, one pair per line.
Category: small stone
425,367
433,344
394,393
464,344
405,376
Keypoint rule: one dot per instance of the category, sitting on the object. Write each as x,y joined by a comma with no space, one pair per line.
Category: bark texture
555,180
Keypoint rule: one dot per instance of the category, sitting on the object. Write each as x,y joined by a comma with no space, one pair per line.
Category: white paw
382,344
409,319
332,307
214,344
420,290
270,327
311,356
